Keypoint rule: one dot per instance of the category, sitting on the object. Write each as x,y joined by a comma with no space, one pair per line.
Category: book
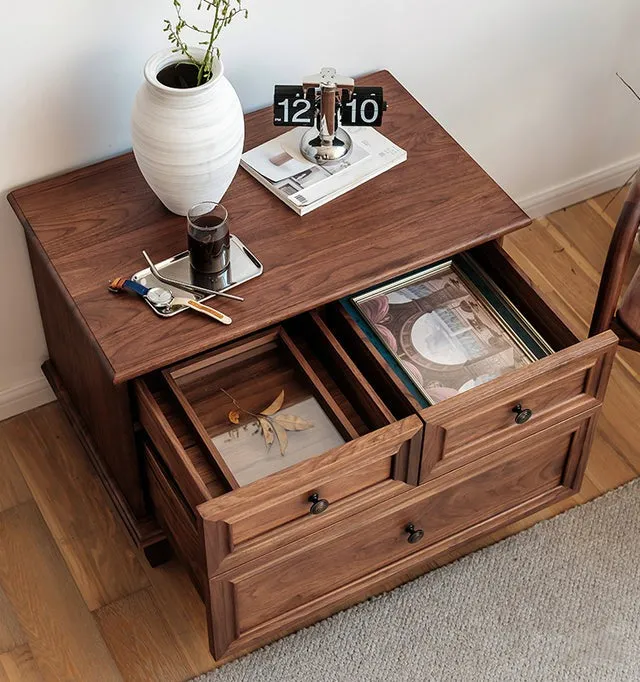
304,186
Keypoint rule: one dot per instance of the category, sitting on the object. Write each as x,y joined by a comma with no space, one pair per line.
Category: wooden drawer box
467,426
264,563
379,459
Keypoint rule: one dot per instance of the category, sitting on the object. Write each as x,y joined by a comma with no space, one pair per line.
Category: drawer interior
379,368
186,408
474,422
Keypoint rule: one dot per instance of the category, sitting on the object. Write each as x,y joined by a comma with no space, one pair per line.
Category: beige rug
560,601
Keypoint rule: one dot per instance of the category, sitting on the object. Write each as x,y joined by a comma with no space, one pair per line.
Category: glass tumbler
208,237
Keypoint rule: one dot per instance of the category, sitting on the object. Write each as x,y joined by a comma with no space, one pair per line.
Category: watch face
159,297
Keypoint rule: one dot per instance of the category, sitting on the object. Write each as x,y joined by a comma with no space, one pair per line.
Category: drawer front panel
251,524
262,594
276,510
485,419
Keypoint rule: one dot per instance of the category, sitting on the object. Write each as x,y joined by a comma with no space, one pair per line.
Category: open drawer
285,409
509,408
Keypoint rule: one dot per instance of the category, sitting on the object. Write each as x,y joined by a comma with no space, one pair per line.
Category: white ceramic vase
187,142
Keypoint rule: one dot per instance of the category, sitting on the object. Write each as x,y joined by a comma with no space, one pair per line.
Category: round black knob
415,534
522,414
318,505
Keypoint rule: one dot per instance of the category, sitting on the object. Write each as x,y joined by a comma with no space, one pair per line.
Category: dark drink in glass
208,238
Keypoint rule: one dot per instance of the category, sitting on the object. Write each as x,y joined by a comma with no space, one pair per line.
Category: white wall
526,86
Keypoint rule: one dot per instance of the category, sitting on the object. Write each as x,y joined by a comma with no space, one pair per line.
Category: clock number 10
364,107
368,112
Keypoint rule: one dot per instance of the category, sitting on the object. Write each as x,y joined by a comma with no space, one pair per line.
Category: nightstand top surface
93,223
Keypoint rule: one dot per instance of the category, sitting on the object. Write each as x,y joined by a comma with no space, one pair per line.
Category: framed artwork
446,329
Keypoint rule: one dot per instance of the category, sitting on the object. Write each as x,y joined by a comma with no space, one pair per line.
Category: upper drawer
509,408
349,450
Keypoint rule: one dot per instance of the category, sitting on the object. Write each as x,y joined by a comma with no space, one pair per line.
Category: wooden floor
78,602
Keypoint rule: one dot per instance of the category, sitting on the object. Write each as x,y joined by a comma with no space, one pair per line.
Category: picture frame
446,328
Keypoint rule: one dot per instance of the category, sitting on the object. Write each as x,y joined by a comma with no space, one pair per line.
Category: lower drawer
298,583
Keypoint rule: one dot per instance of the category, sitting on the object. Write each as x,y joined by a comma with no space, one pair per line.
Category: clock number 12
292,106
299,117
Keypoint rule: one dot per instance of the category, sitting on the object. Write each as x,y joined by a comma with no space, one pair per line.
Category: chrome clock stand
327,143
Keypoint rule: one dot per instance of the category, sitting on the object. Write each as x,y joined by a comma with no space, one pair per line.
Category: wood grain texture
93,224
227,519
141,527
175,516
13,488
563,256
290,583
35,579
184,612
629,311
99,554
480,420
138,637
103,410
19,665
11,633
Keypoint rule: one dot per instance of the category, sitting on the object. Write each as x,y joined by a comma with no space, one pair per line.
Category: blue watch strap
120,283
136,287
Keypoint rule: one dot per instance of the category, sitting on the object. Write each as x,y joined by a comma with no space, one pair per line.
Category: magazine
303,185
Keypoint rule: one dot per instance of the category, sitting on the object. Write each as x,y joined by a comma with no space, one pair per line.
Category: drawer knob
522,414
318,505
415,534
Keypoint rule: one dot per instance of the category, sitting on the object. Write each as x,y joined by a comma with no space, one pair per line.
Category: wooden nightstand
409,483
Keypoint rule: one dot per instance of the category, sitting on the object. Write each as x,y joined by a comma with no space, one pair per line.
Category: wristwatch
162,299
158,297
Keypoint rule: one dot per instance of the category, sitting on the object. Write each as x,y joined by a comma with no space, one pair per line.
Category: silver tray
243,267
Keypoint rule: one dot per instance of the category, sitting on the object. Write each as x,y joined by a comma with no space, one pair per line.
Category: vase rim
163,58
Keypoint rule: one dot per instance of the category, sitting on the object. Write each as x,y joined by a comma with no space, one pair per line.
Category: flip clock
327,102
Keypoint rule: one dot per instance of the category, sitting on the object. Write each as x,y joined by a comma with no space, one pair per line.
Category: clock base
325,150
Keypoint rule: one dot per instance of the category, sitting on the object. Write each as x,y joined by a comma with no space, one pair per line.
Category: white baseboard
25,397
579,189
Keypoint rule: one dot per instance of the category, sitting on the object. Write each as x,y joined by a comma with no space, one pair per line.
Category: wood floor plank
141,642
588,235
184,612
19,665
61,633
532,261
75,506
13,488
608,467
585,232
612,201
11,633
553,264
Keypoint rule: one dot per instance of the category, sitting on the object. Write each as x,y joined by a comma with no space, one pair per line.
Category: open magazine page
290,175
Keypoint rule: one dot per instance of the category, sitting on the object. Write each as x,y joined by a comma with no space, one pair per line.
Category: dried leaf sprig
273,423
